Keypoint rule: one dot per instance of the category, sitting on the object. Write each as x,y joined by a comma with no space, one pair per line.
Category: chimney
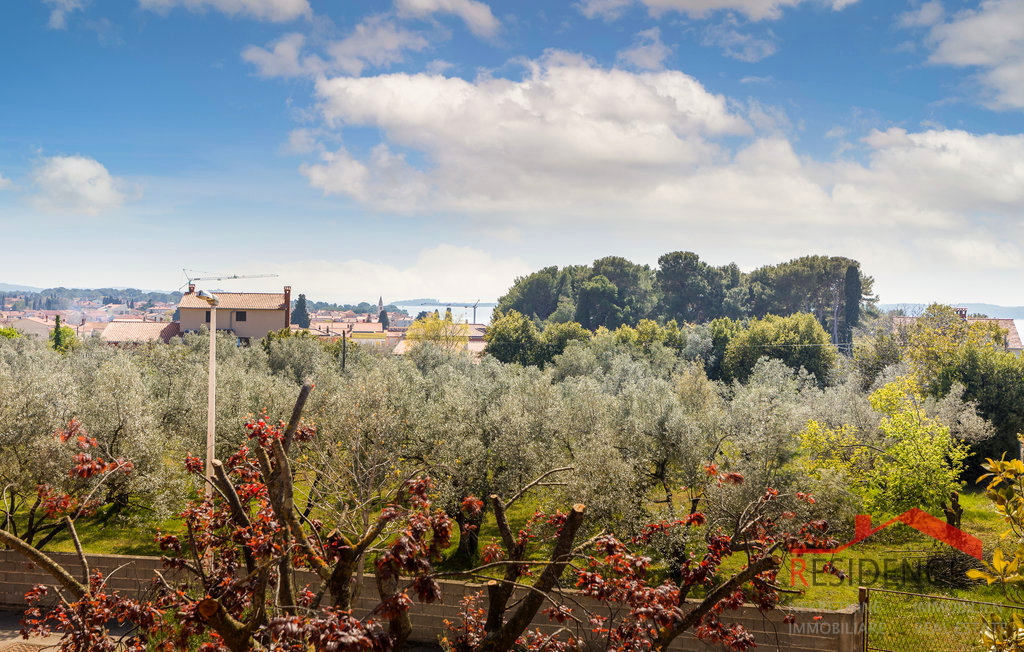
287,306
191,288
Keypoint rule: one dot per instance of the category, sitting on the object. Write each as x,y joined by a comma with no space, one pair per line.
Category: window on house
207,316
240,315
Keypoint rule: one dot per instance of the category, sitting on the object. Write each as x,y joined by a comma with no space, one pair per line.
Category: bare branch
537,482
293,423
78,548
76,588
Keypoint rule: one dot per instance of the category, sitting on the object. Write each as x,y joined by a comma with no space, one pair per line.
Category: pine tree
300,316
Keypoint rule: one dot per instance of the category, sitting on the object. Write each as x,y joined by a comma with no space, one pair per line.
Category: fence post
863,605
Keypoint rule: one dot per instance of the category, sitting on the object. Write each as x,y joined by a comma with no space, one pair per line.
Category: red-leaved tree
638,614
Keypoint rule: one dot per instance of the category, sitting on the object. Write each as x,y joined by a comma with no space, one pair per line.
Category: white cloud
767,118
5,183
977,251
439,66
60,11
377,41
76,184
752,9
738,45
302,141
497,140
648,52
926,15
269,10
284,59
990,38
477,15
940,175
443,271
607,9
581,138
758,80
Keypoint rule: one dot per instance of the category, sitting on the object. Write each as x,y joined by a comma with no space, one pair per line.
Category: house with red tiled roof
31,326
1013,340
139,332
248,315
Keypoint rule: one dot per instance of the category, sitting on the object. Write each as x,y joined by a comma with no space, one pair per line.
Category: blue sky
442,147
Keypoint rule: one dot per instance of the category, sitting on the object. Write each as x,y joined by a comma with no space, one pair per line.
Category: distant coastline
435,302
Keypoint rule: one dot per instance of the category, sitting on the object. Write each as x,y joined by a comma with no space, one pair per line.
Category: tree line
613,291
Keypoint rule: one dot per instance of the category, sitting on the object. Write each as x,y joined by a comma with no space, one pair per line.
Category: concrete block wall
838,631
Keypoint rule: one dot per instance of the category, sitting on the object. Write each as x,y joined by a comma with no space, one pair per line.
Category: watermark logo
916,518
868,571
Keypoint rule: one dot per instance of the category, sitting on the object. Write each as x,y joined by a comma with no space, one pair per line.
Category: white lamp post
211,392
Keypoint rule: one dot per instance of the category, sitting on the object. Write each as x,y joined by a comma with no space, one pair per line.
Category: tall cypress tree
854,294
383,318
300,316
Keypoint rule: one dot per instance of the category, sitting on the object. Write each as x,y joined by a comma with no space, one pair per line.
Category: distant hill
10,287
992,310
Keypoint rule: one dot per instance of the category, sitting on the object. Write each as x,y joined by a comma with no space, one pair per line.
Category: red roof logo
916,518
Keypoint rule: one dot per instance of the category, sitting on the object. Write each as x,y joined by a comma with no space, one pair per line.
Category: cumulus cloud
990,38
477,15
269,10
939,176
648,52
77,184
518,140
377,41
752,9
60,11
284,58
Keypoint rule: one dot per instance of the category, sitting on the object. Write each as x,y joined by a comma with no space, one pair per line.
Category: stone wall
840,631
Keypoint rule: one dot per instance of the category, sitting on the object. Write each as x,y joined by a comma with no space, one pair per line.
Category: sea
459,313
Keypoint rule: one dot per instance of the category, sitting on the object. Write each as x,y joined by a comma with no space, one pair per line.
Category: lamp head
208,297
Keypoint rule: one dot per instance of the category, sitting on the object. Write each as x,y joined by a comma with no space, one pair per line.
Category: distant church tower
380,305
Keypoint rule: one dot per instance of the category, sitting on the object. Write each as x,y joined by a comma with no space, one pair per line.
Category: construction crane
474,310
225,277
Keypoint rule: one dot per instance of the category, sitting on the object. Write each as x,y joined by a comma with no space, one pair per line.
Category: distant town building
139,332
248,315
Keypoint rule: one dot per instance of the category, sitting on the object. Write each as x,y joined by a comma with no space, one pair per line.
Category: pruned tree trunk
953,511
469,538
668,633
400,625
501,633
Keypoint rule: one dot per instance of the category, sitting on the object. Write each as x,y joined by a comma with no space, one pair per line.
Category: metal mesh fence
912,622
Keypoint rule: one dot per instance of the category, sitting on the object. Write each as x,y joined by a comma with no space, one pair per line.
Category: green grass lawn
893,559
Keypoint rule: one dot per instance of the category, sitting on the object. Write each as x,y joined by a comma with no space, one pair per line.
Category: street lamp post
211,392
